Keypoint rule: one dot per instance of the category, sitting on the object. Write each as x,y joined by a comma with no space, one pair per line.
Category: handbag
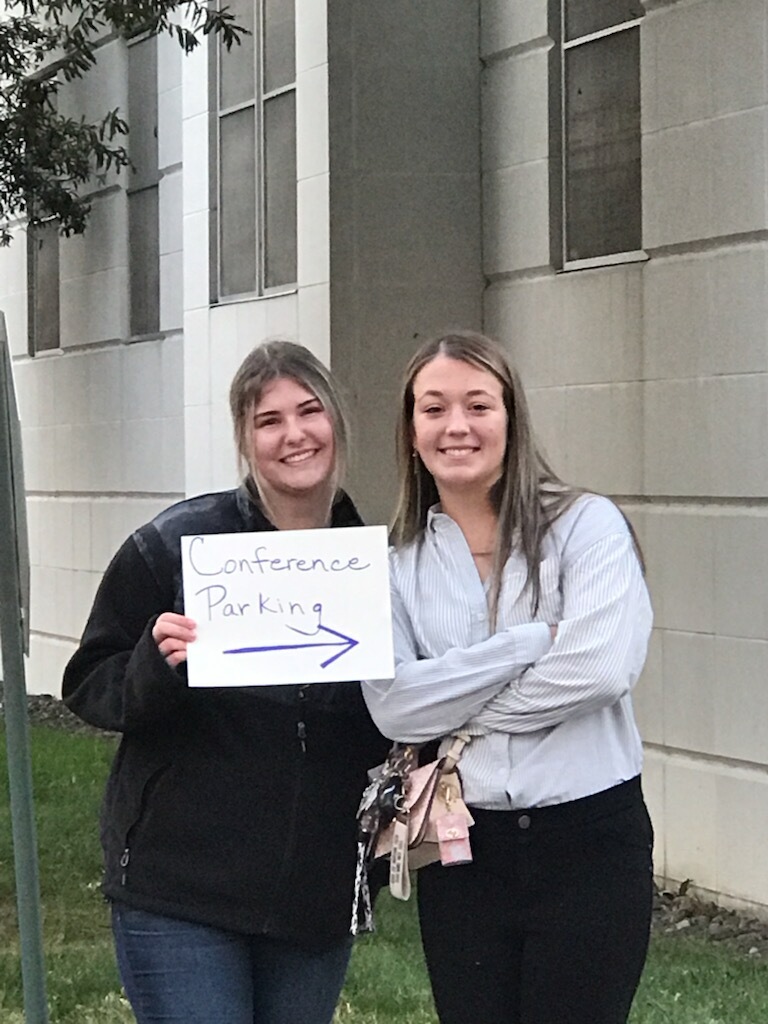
413,815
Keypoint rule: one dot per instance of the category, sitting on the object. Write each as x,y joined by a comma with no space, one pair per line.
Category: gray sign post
14,641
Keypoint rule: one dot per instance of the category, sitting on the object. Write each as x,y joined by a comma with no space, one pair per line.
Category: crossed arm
519,680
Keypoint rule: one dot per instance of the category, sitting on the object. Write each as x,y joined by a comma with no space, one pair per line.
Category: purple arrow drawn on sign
345,642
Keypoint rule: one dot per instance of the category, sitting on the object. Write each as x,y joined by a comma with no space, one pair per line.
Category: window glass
602,160
142,112
280,190
279,44
582,17
144,262
236,67
142,186
237,202
256,172
43,287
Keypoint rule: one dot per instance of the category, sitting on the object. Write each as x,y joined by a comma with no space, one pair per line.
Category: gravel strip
684,913
47,710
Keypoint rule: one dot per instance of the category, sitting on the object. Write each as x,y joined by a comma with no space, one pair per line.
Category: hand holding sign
288,606
172,633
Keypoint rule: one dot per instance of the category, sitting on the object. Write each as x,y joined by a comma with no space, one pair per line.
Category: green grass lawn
685,982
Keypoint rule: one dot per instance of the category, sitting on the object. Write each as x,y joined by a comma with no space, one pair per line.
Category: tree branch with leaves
48,161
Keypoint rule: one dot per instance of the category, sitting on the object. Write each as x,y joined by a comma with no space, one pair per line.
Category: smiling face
291,443
459,424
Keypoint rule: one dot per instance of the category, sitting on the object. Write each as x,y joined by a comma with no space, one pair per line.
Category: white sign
289,606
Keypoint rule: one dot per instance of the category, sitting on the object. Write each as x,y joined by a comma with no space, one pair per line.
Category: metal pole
16,721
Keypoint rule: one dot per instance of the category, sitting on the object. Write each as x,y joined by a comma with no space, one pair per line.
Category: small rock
685,923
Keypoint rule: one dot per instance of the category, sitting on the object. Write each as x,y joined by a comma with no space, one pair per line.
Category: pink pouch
453,839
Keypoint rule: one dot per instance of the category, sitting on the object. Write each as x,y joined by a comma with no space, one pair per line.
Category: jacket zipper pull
301,732
124,859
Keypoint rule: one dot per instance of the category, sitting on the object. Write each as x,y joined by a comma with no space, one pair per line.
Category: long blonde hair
527,498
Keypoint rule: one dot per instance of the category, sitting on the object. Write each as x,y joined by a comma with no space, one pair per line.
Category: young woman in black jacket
228,824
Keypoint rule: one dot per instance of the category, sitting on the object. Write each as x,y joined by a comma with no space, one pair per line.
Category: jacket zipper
124,860
125,856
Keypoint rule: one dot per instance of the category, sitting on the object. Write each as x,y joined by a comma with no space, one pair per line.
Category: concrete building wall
705,113
115,428
216,338
405,205
102,416
648,382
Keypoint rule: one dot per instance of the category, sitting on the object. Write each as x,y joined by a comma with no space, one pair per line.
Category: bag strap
453,755
405,755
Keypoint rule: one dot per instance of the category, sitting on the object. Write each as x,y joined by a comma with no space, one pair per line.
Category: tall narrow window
43,287
257,151
43,278
599,131
143,188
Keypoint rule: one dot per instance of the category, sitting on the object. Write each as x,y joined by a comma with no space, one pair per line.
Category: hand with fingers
172,633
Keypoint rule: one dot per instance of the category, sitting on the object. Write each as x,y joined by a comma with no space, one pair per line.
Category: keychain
452,833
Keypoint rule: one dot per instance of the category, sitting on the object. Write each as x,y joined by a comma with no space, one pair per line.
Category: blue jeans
175,972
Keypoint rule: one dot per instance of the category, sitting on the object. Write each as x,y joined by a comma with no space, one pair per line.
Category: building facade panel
515,110
102,429
511,23
13,294
691,809
647,381
516,218
741,568
704,313
404,109
603,427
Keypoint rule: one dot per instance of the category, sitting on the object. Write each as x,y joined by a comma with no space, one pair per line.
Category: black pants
550,923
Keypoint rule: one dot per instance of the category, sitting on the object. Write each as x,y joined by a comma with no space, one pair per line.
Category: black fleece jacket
233,807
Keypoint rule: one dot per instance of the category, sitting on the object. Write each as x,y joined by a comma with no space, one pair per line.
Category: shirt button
302,693
524,821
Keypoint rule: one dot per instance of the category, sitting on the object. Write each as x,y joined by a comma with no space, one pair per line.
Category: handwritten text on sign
293,606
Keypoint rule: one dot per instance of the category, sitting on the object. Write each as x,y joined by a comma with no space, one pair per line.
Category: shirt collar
437,519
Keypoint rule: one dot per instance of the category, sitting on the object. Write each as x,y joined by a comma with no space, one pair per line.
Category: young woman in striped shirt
521,615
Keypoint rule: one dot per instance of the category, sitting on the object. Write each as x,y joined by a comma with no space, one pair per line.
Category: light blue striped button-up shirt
550,721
